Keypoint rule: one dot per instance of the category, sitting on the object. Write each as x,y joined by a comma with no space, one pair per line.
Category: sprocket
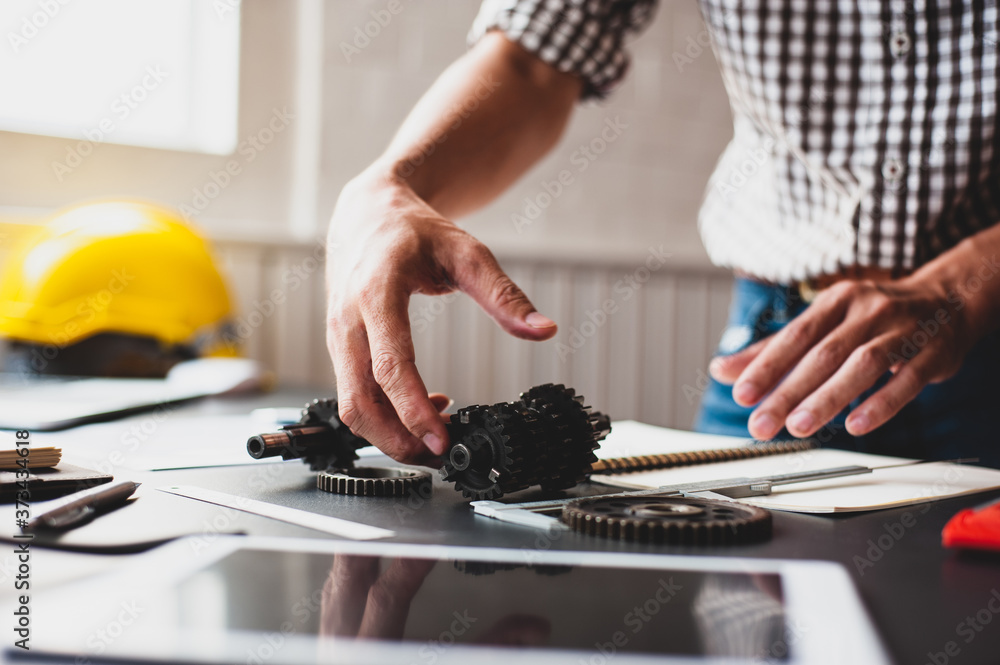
320,439
547,438
491,452
668,520
575,429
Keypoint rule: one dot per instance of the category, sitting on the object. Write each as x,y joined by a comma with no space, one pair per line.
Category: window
151,73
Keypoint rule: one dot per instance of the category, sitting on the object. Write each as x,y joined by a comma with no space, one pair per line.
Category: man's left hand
919,328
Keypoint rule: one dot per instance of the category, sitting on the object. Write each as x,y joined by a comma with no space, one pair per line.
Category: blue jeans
959,417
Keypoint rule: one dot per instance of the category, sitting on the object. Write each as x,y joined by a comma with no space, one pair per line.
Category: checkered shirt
864,130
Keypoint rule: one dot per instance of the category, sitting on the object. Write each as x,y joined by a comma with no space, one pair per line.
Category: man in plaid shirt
865,247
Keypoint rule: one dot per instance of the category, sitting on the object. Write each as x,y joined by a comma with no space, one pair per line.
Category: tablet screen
434,604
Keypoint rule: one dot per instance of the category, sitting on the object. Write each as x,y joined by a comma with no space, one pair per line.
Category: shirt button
899,44
892,170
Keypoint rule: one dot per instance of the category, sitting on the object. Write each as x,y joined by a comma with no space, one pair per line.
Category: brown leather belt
811,287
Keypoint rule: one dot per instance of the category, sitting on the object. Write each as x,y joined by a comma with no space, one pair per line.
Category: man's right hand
386,243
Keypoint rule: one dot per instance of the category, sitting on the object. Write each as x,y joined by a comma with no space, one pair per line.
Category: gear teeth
668,520
342,451
484,567
375,481
547,438
498,438
570,452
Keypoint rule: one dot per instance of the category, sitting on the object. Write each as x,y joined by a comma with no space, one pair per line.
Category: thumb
440,401
478,274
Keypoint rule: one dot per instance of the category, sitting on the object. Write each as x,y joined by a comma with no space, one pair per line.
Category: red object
977,528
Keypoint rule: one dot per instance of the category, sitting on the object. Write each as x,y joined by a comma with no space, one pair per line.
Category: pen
75,508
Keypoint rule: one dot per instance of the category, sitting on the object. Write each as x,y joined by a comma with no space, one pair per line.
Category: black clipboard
50,483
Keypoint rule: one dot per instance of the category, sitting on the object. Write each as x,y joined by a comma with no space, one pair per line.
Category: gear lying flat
668,520
375,481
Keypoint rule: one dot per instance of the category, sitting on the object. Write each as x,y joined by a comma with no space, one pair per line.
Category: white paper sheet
881,489
165,439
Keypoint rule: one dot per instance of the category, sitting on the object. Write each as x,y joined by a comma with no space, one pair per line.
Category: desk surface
921,596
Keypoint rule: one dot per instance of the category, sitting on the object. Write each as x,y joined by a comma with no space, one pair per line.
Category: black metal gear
375,481
340,449
492,451
575,432
479,568
668,520
547,438
320,439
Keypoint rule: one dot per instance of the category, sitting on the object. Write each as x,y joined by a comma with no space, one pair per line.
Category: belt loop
807,290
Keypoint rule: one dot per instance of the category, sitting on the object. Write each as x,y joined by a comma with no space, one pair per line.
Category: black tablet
254,600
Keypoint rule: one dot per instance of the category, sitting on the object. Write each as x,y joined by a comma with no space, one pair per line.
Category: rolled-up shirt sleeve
583,37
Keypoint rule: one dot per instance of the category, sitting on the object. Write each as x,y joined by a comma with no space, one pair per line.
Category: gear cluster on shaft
320,439
336,449
547,438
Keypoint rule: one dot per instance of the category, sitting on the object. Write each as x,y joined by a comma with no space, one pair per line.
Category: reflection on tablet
436,604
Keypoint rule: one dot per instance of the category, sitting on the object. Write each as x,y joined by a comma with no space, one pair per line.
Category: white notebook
889,488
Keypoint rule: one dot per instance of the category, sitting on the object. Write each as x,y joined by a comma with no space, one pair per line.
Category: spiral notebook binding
670,460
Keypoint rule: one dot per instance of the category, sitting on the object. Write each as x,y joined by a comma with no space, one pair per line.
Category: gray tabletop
930,604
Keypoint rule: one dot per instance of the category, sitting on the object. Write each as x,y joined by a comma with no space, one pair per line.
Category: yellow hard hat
121,267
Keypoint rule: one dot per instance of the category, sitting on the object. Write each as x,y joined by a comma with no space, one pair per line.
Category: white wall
644,189
642,192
